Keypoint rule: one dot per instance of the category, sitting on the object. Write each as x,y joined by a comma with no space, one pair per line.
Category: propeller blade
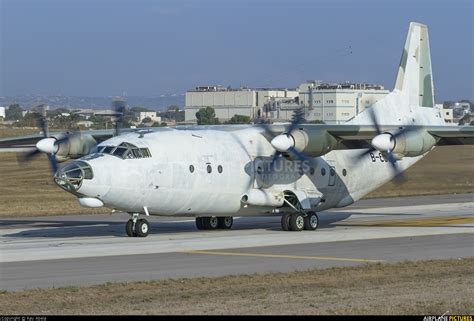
298,117
373,117
27,156
298,154
274,159
399,177
267,132
282,142
364,153
53,163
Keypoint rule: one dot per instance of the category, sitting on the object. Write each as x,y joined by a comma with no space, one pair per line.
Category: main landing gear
299,221
137,227
214,222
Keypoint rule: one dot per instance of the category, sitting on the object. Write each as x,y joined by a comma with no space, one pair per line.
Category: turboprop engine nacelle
313,142
66,147
411,144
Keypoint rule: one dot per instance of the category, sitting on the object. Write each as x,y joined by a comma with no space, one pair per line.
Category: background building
460,109
148,114
2,112
337,103
331,103
228,102
447,113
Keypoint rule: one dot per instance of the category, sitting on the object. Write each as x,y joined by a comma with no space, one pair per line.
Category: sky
147,48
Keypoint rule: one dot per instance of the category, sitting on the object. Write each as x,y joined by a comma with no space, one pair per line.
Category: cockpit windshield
125,151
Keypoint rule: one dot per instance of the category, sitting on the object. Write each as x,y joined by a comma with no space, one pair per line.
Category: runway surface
90,249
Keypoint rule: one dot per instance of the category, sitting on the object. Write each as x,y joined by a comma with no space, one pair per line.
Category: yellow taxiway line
428,222
278,256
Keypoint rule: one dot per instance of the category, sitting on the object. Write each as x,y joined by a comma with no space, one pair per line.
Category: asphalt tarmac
91,249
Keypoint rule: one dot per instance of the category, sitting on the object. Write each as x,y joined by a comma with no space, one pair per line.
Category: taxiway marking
278,256
428,222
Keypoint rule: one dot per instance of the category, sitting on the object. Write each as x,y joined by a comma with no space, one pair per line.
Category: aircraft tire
142,228
225,222
311,221
210,223
296,222
129,229
285,222
200,223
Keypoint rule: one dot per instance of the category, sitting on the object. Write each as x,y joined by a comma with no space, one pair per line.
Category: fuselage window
311,171
219,169
344,172
191,168
323,171
209,169
332,172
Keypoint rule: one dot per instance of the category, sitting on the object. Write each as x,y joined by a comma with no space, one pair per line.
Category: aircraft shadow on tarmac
51,228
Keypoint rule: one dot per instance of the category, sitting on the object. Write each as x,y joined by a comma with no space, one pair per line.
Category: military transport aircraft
291,170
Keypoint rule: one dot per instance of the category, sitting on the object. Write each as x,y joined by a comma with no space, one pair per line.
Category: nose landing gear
137,227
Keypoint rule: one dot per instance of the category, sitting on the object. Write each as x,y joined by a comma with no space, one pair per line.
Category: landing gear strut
299,221
137,227
214,223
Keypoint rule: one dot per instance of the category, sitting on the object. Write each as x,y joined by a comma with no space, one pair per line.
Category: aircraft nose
71,176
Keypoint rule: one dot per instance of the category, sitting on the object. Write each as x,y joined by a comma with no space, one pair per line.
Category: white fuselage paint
165,185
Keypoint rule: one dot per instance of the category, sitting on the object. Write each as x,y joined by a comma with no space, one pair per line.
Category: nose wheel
137,227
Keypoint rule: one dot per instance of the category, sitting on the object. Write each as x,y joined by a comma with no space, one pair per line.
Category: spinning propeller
51,145
284,143
45,145
385,143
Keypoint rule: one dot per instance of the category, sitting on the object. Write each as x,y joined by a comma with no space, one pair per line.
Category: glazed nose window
71,176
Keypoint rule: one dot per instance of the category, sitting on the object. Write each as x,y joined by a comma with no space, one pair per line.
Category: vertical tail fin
414,76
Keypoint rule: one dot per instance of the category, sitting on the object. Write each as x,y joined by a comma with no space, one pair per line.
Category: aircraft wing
354,136
359,136
31,140
453,135
347,136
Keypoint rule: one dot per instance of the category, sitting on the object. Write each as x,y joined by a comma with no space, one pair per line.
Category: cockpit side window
136,153
119,151
125,151
145,152
107,149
